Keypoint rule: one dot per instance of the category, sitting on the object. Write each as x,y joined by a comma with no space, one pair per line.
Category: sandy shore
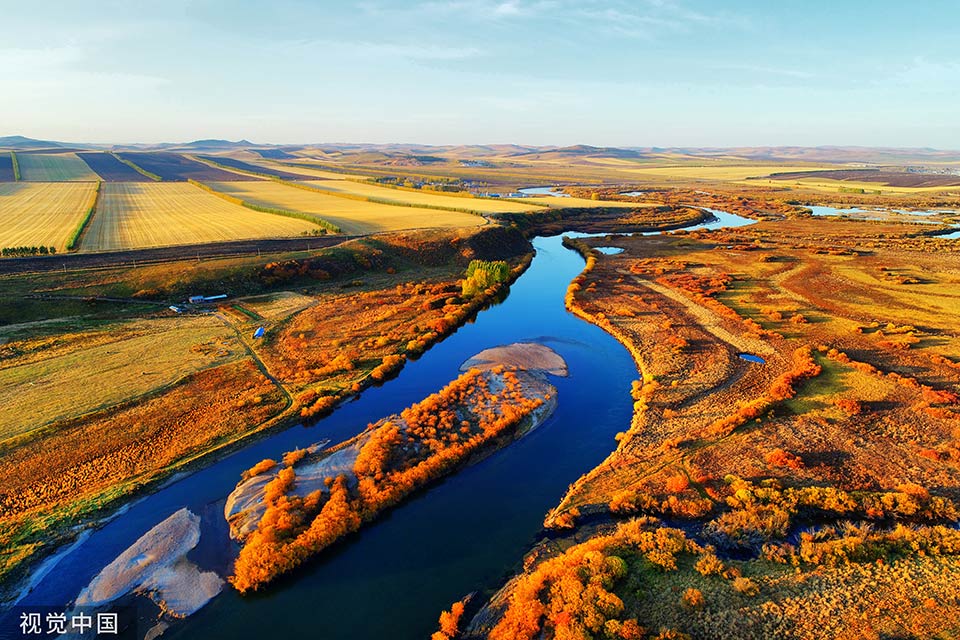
156,565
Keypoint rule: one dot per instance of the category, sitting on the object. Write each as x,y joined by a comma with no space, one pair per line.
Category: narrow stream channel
392,579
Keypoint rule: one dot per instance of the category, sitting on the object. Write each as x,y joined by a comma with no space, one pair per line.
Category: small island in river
283,513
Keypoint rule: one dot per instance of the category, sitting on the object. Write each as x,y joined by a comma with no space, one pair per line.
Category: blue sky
625,73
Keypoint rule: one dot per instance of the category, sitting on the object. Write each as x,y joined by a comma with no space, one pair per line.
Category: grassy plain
54,167
41,214
352,216
723,171
826,185
47,380
135,215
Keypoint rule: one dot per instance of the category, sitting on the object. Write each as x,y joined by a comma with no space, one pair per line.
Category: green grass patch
817,393
74,238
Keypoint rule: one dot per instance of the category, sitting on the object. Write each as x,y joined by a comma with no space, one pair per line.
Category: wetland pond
927,217
544,191
466,532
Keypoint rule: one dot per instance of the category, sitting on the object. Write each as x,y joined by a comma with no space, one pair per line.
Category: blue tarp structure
258,333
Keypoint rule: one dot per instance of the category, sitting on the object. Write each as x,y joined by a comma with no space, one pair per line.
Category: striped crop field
6,167
54,167
111,169
485,205
135,215
309,173
42,214
352,216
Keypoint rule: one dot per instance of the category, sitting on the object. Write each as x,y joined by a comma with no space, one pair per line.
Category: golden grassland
46,380
59,167
137,215
275,306
507,173
825,185
831,465
42,214
352,216
307,171
722,171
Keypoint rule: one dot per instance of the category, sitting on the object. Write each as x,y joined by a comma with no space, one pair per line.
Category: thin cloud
767,70
377,50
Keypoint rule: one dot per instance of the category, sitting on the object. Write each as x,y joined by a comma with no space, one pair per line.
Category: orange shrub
677,483
781,458
848,406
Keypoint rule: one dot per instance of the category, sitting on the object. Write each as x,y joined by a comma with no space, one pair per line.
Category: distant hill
218,144
838,154
586,151
413,154
21,142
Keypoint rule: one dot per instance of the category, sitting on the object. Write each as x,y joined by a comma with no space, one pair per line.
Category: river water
392,579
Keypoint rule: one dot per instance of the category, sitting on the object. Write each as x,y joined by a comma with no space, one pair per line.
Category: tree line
19,252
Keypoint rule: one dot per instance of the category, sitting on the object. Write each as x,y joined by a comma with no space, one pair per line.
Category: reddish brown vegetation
781,458
94,453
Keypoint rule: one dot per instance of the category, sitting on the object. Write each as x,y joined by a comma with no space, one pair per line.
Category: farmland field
6,167
96,369
41,214
274,153
487,205
315,173
246,166
111,169
155,214
352,216
173,167
54,167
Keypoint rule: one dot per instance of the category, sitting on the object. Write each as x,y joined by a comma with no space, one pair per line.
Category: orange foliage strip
91,455
450,621
783,387
570,596
400,455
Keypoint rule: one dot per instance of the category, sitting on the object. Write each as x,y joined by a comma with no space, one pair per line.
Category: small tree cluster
18,252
